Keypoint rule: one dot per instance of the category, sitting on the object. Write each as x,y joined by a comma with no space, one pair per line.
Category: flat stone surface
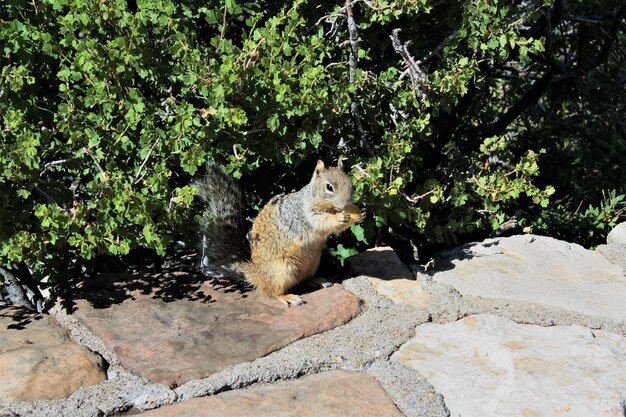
402,291
330,394
617,236
172,328
39,361
487,365
381,262
615,253
538,270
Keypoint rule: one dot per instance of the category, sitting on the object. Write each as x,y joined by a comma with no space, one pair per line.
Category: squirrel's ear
319,167
340,163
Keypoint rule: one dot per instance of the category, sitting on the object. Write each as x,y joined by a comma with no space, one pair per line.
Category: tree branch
529,98
15,292
145,161
51,164
550,80
605,49
418,77
438,48
355,110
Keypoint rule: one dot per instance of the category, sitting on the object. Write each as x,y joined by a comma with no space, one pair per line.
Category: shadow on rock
104,290
172,336
381,262
20,317
445,260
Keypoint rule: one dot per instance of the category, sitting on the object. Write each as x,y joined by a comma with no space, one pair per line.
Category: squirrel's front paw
343,217
351,214
291,300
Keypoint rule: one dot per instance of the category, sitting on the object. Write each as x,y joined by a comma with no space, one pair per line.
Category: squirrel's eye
329,188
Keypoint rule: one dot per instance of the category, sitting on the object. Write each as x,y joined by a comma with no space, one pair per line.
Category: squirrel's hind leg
274,281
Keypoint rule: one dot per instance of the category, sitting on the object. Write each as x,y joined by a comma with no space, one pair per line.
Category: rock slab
171,337
331,394
381,263
538,270
615,253
617,236
487,365
402,291
39,361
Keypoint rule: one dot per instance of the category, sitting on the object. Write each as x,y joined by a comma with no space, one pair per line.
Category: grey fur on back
223,241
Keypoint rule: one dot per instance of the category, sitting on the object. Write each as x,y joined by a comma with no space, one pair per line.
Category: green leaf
342,253
358,232
231,6
23,193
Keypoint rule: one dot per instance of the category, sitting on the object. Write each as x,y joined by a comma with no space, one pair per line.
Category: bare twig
88,152
253,131
45,195
360,169
321,20
586,19
173,201
53,163
417,198
336,21
223,31
482,187
44,109
236,153
145,160
394,115
578,208
334,64
438,48
418,77
353,32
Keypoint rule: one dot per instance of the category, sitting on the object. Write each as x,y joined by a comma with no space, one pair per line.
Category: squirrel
287,236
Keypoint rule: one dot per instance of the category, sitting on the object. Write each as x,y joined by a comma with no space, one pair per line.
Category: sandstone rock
171,329
331,394
615,253
617,236
402,291
537,270
487,365
39,361
382,263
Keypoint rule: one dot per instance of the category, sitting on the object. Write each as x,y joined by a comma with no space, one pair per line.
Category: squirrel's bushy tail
223,242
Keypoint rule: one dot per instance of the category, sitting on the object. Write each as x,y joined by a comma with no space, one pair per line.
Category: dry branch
418,77
355,110
15,292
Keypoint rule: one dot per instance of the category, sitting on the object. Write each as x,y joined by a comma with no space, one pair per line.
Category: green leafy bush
464,119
